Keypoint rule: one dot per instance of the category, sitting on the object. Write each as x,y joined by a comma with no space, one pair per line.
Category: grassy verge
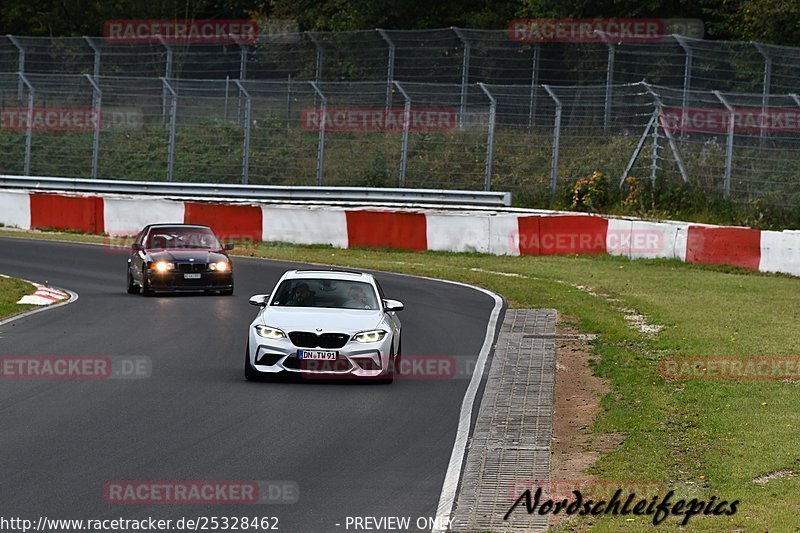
11,290
702,438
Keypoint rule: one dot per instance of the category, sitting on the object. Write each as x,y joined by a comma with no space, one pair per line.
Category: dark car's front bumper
176,281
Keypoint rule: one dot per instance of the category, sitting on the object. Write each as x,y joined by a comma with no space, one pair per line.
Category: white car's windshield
332,293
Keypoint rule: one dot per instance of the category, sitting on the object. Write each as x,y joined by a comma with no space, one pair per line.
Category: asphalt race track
353,449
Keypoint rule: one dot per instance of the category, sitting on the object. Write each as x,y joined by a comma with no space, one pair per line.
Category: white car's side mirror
392,305
259,299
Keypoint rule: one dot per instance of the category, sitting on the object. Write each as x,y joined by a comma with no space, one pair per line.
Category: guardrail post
796,98
389,68
246,146
167,75
767,81
97,106
464,74
20,63
406,127
537,51
556,141
729,148
172,122
96,50
29,125
487,183
321,141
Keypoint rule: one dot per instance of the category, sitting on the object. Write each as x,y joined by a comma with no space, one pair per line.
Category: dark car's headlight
369,336
270,333
162,266
220,266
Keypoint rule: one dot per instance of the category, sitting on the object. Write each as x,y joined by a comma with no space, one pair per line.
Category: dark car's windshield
178,237
333,293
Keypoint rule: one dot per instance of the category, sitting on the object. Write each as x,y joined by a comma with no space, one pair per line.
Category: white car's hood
329,320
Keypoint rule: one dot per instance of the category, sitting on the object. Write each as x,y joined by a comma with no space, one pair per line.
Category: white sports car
324,323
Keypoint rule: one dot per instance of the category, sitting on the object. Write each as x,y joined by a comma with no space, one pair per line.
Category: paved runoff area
510,448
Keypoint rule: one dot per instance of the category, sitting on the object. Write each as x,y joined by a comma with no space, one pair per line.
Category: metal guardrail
262,192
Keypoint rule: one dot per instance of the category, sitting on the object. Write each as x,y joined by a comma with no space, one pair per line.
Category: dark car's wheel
250,373
133,288
146,290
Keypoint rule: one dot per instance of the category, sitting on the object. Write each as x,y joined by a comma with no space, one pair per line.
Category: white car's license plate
317,355
191,276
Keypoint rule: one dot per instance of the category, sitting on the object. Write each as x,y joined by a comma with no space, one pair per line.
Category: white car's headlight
270,333
163,266
369,336
221,266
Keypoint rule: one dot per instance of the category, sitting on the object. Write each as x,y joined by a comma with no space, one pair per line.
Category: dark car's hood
198,255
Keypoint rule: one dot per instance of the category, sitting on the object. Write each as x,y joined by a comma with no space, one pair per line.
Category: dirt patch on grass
576,403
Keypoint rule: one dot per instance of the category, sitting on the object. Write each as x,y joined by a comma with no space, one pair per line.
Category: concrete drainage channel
510,446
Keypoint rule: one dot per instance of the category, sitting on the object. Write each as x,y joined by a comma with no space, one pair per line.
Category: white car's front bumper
272,356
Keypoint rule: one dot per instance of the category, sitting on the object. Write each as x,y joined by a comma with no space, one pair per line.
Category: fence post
96,50
487,184
389,68
658,112
167,75
464,74
20,63
767,81
406,127
654,155
246,146
321,142
687,70
243,51
29,125
609,85
318,62
729,148
97,106
227,90
556,142
537,50
172,122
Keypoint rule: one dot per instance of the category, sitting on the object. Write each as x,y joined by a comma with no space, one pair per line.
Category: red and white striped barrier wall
499,233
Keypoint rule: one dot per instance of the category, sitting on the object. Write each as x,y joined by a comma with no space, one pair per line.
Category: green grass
702,438
11,290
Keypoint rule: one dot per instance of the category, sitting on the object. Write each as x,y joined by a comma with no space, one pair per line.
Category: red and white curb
43,296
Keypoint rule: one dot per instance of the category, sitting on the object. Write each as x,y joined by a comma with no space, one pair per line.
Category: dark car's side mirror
393,305
229,246
136,247
259,299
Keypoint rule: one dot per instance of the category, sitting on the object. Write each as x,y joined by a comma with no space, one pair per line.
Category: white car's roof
328,274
